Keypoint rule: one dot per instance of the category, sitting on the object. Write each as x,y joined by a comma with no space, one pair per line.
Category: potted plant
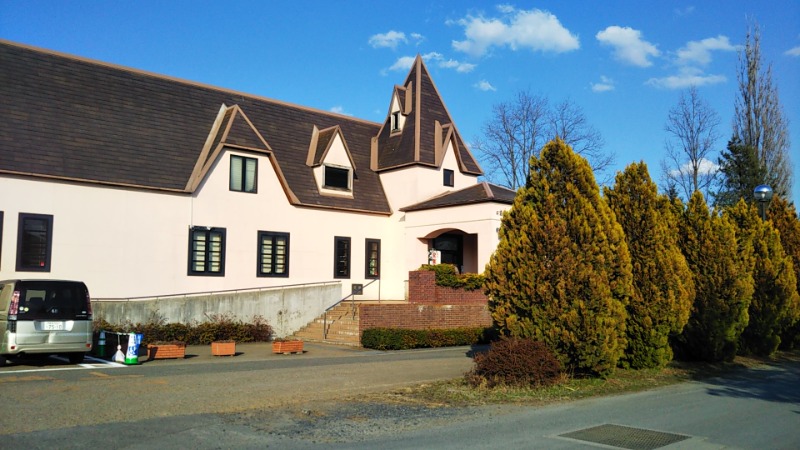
223,348
167,350
284,346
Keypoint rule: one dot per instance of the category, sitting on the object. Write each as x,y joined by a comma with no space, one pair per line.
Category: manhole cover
625,437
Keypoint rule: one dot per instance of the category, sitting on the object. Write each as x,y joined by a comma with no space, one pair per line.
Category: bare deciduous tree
519,128
759,121
688,165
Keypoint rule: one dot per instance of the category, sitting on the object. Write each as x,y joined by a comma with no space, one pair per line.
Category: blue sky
624,62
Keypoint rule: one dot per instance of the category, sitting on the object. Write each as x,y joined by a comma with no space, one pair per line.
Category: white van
45,317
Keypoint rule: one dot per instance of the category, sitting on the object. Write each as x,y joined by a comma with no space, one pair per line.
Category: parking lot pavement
195,354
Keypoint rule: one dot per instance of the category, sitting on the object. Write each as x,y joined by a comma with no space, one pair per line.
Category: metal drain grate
625,437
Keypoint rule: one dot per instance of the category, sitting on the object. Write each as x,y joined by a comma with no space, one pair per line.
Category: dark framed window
273,254
34,242
449,177
395,121
244,174
337,178
341,257
207,251
372,261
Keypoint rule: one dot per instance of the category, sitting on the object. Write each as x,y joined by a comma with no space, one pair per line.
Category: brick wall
429,306
422,289
419,317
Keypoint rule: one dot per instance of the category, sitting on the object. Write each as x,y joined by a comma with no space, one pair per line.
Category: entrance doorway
452,248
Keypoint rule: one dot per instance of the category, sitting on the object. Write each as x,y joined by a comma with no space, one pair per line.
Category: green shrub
447,276
219,327
404,339
515,362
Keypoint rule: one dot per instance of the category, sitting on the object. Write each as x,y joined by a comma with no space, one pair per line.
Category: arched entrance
456,247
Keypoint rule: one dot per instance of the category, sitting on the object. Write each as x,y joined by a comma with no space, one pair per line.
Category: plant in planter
287,346
167,350
223,348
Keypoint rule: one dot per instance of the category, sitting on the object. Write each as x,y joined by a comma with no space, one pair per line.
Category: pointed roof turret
424,120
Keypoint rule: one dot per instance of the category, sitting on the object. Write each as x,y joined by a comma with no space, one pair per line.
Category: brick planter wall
421,317
429,307
422,289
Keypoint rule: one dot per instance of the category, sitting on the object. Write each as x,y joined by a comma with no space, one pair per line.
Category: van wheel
2,360
76,358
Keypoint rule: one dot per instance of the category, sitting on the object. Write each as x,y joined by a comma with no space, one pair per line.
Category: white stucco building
143,185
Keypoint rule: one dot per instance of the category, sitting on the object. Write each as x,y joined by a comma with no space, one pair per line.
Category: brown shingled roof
479,193
416,144
69,118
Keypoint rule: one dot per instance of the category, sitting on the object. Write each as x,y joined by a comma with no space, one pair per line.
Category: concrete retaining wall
286,309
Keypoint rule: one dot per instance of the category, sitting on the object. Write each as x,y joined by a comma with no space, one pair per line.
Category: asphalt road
258,400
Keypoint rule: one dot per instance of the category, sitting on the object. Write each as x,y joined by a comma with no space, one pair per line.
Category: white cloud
793,52
629,47
389,40
606,84
705,167
536,30
339,110
699,52
484,85
685,11
418,38
405,63
686,77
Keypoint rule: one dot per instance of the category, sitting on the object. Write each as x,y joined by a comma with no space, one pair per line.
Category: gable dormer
334,168
417,126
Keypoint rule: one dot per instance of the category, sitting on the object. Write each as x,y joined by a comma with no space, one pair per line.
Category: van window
53,300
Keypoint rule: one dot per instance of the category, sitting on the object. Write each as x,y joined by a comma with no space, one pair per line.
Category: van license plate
53,326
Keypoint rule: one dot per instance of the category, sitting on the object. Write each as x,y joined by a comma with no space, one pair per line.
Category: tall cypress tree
783,217
561,273
663,290
724,287
775,305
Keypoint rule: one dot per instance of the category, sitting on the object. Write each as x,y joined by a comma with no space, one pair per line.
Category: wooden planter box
287,347
166,351
223,348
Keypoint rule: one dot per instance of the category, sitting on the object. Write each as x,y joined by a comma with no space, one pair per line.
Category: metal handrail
352,304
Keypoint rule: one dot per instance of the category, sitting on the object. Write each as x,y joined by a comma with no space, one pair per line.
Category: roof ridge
184,81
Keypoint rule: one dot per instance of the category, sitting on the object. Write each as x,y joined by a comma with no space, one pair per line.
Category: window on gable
449,177
337,178
243,173
273,254
207,251
34,242
395,121
341,257
373,258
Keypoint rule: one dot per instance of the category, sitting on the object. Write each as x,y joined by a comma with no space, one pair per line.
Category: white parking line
99,364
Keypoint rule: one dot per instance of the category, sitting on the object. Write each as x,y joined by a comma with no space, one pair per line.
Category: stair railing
352,306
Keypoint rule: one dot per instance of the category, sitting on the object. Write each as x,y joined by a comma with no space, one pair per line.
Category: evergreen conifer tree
775,304
783,217
663,290
722,282
561,272
741,171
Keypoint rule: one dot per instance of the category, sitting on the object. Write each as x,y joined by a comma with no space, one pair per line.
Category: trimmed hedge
217,328
404,339
447,276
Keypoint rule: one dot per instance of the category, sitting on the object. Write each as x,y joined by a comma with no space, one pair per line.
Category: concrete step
342,327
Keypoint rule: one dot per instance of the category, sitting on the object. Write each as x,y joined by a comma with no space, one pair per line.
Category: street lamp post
762,194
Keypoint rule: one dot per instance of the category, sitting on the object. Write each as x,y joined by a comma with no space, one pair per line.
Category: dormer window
395,121
449,178
337,178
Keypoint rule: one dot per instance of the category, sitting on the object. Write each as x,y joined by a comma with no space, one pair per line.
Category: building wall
422,317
